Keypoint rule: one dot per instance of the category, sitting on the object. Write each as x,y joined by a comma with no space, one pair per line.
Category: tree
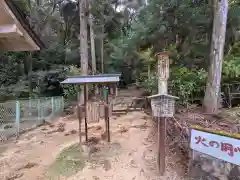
83,42
212,93
123,31
92,39
83,36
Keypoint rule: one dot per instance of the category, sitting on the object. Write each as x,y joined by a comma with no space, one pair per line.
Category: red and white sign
221,147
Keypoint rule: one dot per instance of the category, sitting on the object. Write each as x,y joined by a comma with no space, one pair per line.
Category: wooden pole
79,114
161,145
163,74
85,110
79,111
107,114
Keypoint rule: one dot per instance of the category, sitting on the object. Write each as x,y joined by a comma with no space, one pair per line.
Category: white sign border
213,151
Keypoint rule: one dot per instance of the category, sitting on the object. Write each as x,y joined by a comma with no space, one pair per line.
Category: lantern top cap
165,53
162,95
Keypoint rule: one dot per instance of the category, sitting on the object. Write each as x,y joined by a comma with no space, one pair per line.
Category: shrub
184,83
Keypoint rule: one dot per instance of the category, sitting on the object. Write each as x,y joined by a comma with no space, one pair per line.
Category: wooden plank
93,112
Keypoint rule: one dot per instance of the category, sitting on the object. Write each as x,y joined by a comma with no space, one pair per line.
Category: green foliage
231,65
131,35
150,84
187,83
71,91
231,69
184,83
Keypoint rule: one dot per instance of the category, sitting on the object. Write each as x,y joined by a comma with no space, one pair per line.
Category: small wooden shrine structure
15,32
92,110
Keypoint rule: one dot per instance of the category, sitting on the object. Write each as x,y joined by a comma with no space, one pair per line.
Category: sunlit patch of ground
68,162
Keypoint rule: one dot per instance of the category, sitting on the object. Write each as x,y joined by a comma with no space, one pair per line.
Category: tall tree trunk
92,38
83,40
83,37
102,52
212,93
27,65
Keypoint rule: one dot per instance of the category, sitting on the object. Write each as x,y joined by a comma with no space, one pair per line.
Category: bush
187,83
150,84
70,91
184,83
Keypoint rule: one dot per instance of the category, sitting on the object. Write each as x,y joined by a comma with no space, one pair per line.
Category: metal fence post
52,103
62,103
18,114
42,112
39,109
57,104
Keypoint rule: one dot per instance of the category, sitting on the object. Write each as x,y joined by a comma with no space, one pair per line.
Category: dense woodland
124,36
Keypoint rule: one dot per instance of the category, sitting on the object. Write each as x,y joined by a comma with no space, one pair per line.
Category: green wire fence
24,114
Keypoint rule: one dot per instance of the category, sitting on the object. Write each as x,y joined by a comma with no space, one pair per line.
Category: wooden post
85,110
161,144
163,72
116,90
162,86
107,113
79,114
111,89
163,75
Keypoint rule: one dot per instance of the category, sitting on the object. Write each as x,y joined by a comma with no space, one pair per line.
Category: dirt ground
131,155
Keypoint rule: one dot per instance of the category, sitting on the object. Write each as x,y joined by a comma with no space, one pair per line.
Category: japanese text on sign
221,147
